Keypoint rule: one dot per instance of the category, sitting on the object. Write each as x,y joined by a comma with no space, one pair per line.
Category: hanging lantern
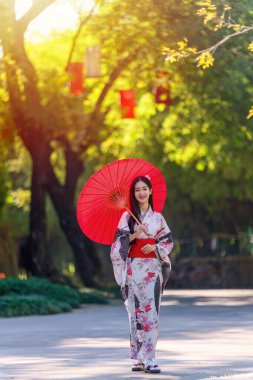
75,69
127,102
161,89
92,62
162,95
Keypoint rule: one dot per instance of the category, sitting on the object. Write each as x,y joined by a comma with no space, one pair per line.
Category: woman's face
142,192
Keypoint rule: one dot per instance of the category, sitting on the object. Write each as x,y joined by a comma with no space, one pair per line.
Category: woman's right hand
140,228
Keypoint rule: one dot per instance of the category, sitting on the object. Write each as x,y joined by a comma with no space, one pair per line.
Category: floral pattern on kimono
142,281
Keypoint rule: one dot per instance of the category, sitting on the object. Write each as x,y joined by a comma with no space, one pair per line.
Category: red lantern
75,69
127,101
2,276
161,89
162,95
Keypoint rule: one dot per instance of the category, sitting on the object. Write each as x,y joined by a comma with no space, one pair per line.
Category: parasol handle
137,221
130,212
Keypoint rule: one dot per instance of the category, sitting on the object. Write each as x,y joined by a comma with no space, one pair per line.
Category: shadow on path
202,334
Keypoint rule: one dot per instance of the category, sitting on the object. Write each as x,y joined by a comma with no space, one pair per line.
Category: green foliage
40,296
202,143
32,304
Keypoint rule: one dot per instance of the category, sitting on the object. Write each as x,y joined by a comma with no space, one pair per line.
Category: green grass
40,296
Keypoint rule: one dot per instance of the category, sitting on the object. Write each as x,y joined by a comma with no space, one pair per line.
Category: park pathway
204,334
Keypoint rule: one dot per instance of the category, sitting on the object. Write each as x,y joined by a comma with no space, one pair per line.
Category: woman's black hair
134,206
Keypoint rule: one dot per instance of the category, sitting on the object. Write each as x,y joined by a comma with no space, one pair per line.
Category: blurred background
83,83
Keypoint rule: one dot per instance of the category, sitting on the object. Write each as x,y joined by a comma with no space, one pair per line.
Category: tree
26,108
204,143
38,132
51,122
222,18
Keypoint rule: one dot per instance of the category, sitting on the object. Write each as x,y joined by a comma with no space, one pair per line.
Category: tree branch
82,23
114,75
213,48
74,167
37,7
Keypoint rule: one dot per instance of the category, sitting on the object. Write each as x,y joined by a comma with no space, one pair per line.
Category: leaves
202,142
205,60
183,51
250,114
208,10
250,47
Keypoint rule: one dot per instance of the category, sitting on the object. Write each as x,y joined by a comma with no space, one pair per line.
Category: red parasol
105,196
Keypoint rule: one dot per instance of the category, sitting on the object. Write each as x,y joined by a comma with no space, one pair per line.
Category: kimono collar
147,214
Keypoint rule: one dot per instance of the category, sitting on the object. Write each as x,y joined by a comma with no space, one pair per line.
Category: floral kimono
142,281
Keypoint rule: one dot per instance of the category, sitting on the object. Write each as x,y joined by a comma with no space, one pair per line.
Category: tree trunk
63,200
85,268
37,234
40,262
74,168
44,180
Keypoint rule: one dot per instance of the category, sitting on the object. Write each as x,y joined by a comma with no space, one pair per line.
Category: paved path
203,335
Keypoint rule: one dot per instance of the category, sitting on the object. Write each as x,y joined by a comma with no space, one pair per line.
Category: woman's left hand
148,248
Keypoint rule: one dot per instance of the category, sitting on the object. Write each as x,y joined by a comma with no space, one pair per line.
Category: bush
17,305
40,296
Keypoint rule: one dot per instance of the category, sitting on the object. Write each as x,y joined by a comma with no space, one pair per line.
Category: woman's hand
140,228
148,248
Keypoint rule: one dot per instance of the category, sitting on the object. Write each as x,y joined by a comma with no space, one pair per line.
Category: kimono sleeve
120,248
164,245
164,242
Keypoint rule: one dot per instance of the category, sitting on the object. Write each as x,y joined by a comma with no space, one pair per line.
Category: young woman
141,267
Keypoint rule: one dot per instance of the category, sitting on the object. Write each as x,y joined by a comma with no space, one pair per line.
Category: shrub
40,296
16,305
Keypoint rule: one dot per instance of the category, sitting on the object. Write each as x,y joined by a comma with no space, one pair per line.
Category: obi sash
135,250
